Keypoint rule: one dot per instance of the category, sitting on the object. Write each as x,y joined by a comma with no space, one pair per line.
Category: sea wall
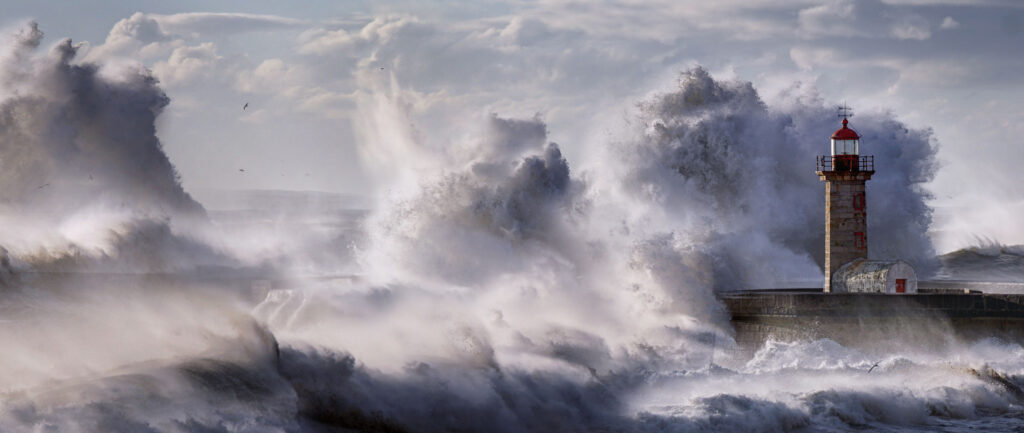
874,321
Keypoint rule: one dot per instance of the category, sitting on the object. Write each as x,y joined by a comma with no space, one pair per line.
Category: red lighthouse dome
845,133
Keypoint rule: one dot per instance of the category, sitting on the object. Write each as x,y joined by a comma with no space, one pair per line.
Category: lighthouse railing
845,163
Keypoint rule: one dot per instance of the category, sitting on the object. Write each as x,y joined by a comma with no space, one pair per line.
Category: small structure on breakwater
875,276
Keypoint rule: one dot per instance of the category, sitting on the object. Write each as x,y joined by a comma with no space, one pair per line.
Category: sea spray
713,161
499,286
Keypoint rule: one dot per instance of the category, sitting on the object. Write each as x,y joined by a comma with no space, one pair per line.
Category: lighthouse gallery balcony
850,163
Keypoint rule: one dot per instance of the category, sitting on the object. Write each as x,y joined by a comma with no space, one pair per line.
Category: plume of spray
735,178
525,268
491,242
90,210
80,153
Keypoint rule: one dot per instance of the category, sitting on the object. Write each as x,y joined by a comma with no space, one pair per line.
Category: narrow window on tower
858,201
858,240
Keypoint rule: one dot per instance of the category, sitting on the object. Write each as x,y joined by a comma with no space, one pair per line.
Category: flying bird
241,170
43,186
873,366
245,106
382,68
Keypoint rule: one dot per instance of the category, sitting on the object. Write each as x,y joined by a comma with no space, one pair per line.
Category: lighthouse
845,173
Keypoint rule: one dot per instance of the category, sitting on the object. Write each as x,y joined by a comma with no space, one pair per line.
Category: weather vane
845,111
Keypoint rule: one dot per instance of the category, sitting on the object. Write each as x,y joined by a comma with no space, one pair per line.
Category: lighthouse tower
845,173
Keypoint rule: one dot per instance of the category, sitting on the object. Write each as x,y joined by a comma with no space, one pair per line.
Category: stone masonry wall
846,234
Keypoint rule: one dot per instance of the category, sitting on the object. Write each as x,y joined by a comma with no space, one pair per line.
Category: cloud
906,71
327,104
139,34
459,71
271,75
211,23
568,61
911,27
139,27
152,35
665,21
837,18
862,19
949,23
380,31
811,58
187,63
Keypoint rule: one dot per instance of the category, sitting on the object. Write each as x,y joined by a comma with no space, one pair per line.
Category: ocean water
487,285
256,352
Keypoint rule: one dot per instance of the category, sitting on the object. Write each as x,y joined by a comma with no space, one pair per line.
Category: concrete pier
934,318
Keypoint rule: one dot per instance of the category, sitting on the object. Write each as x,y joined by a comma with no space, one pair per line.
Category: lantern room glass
845,147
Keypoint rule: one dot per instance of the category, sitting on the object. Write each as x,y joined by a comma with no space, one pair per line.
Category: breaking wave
497,288
987,261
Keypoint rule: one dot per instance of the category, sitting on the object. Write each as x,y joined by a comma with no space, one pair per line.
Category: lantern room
845,141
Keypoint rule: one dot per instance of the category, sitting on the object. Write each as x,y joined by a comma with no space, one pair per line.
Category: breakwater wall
875,321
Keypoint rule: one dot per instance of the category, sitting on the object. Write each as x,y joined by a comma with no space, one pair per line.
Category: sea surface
322,348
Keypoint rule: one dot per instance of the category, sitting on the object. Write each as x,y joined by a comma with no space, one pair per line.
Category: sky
306,71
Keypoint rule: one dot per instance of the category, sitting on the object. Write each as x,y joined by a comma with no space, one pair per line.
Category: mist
492,285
